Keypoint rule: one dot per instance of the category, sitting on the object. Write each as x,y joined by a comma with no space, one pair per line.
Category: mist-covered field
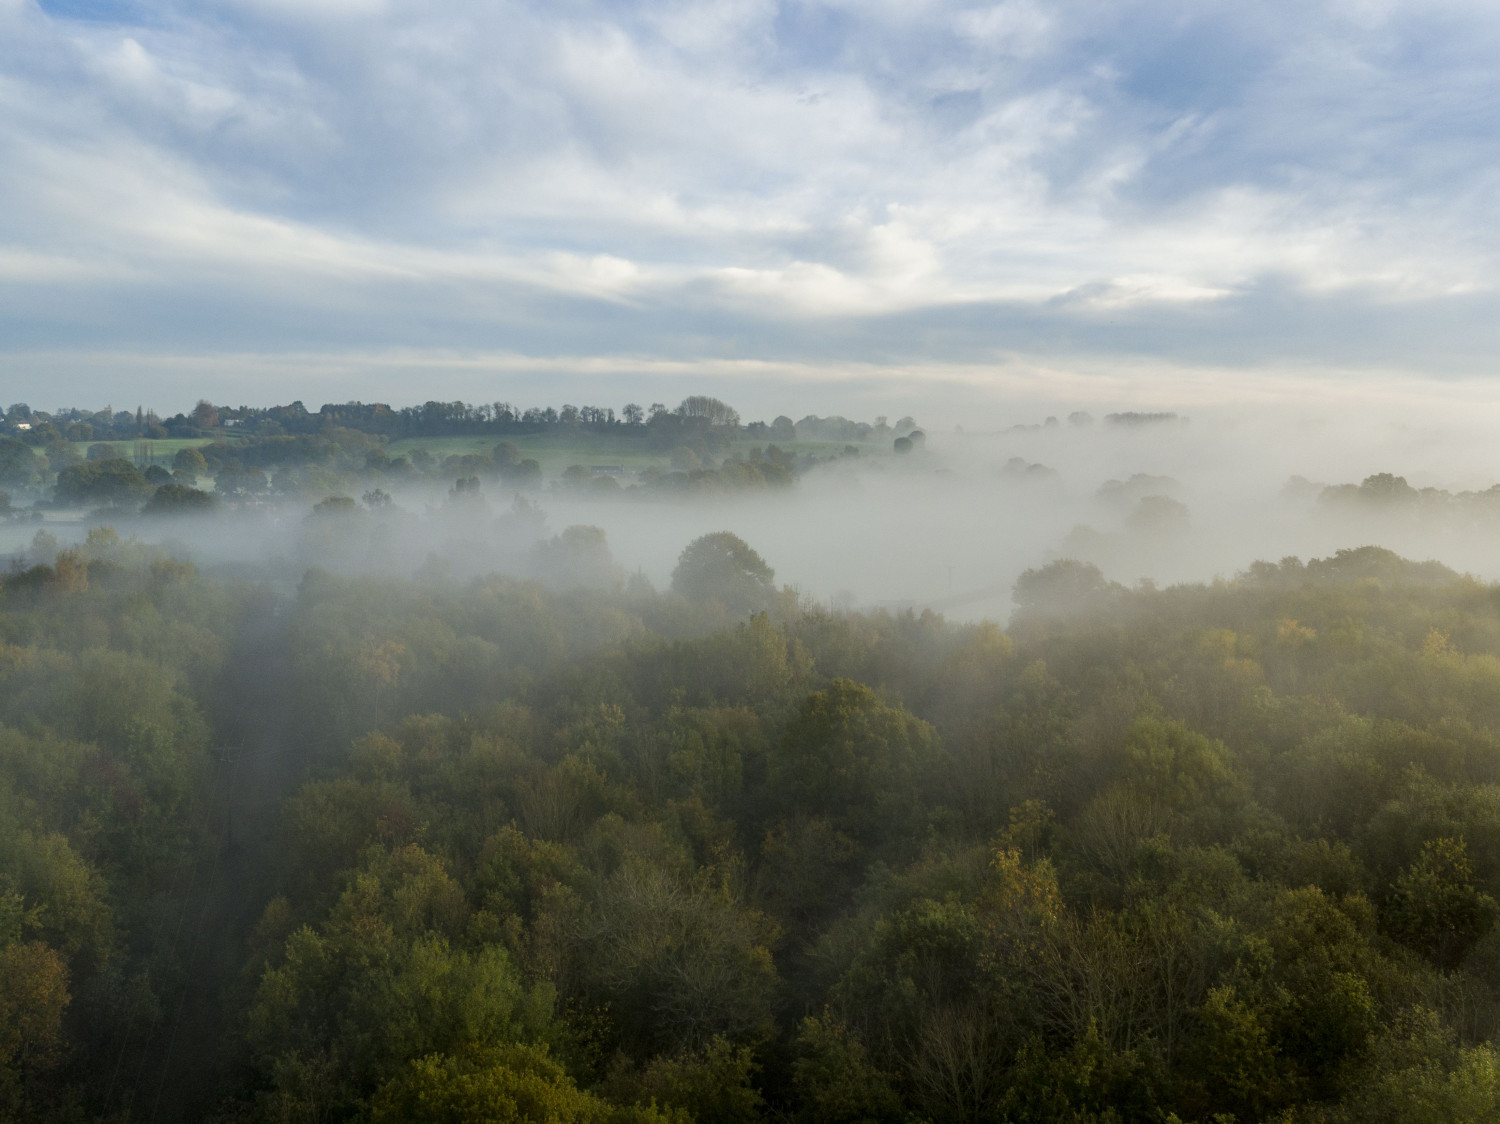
949,526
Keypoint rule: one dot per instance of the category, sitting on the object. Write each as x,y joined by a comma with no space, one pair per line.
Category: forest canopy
384,849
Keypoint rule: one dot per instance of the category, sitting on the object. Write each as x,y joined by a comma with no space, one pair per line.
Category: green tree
513,1084
1418,1073
1090,1082
42,433
392,974
848,756
34,996
1063,588
912,991
18,468
1435,907
722,568
523,474
835,1080
111,482
677,958
178,499
712,1083
579,556
332,507
204,415
713,411
189,462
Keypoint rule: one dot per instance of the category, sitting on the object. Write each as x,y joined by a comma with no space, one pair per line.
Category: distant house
606,470
23,425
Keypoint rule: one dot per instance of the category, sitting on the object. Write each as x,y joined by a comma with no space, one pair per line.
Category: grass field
555,452
145,452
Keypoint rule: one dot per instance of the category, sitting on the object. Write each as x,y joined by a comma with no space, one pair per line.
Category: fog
1179,497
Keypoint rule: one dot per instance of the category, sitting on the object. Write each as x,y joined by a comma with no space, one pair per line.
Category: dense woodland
370,849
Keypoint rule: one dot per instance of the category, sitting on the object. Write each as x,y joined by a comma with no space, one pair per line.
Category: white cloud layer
914,183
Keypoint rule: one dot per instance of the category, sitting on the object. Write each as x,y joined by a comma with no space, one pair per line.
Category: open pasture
556,452
143,451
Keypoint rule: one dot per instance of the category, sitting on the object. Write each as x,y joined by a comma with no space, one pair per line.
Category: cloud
811,180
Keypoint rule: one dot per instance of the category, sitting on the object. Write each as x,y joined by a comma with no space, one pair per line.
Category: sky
966,211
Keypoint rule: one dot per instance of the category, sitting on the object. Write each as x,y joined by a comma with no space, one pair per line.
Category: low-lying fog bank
949,525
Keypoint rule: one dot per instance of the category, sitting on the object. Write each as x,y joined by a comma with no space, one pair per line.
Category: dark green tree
18,467
113,482
722,568
189,462
178,499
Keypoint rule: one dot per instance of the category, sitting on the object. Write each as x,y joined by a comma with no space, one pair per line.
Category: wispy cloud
874,183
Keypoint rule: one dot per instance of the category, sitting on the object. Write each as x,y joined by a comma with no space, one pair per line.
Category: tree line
658,422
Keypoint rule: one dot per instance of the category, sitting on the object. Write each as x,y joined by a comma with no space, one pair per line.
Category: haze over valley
749,562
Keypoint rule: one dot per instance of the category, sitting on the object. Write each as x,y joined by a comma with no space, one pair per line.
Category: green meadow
146,452
554,452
